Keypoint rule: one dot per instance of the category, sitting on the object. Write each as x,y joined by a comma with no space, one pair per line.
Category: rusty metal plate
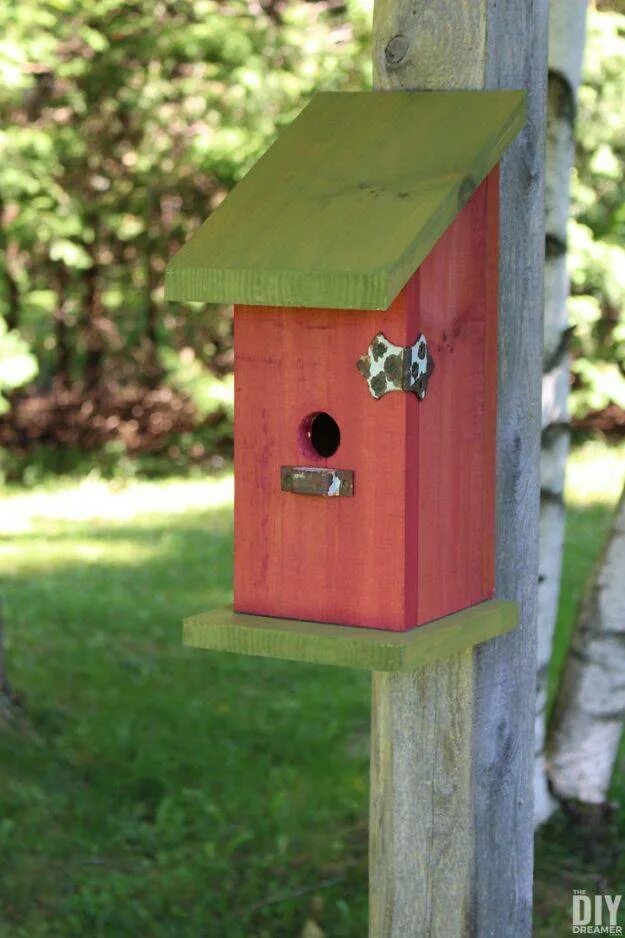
387,367
305,480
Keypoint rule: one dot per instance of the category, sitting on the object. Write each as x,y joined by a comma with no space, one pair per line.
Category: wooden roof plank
348,201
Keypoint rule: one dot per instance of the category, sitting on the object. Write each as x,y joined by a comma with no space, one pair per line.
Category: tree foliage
597,230
17,363
125,124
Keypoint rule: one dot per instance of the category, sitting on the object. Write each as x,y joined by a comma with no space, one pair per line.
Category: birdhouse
361,255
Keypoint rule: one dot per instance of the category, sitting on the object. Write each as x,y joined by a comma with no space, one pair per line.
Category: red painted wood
491,350
454,302
416,540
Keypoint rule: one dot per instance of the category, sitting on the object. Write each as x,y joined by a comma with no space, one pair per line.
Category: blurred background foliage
124,125
597,230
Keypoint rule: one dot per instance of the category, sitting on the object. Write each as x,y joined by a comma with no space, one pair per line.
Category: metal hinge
387,367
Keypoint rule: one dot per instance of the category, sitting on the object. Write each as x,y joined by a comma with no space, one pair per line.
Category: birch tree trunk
590,707
567,33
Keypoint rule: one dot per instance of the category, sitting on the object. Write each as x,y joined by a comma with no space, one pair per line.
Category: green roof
349,200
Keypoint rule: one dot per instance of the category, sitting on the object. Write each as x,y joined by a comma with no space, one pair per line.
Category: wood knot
396,50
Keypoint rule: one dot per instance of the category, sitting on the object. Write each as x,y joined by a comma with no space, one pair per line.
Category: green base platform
346,646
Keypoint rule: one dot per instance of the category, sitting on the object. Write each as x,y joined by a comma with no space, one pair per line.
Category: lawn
156,791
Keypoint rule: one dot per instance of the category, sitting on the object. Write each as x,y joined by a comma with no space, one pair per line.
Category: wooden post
452,745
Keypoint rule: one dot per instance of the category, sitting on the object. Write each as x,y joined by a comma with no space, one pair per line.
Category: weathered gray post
452,744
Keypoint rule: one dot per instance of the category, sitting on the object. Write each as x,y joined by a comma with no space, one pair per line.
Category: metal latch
305,480
387,367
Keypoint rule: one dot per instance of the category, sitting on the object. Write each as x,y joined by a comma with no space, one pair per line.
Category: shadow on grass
573,854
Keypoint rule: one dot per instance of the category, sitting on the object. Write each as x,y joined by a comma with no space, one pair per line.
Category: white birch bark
590,707
567,25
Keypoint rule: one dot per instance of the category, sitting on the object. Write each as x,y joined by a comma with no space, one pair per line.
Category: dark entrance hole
322,433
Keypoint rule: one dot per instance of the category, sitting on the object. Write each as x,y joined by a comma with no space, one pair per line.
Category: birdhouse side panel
453,302
303,554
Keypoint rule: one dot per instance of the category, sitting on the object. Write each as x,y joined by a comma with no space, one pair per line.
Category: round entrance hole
320,433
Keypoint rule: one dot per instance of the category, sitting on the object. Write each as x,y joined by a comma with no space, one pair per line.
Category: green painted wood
349,200
345,646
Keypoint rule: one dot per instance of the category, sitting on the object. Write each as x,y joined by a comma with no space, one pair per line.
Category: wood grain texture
416,541
503,46
370,649
451,438
327,559
421,835
434,46
505,682
348,201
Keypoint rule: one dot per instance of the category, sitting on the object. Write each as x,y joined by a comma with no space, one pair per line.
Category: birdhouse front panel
390,522
361,255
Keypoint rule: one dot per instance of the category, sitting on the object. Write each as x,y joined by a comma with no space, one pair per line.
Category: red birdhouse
361,254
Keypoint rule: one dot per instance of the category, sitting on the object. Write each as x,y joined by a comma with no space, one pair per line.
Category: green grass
157,791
